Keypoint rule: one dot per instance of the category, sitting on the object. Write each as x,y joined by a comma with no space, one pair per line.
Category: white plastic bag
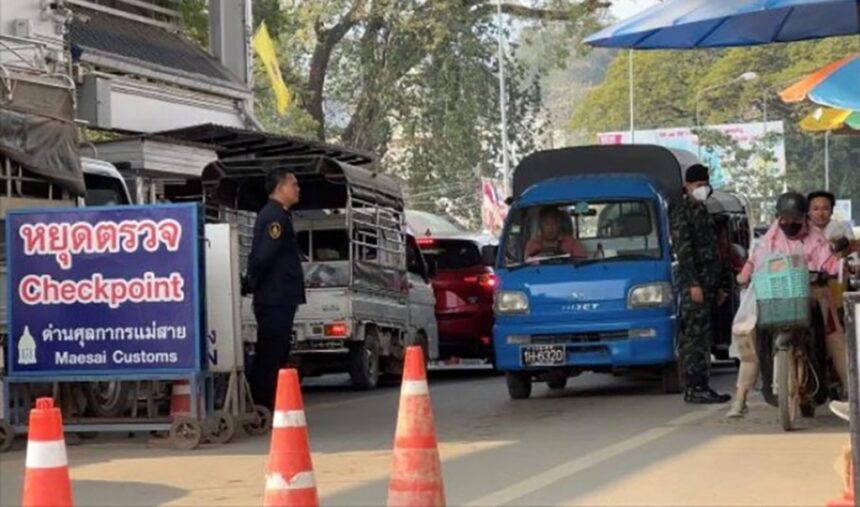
747,314
743,326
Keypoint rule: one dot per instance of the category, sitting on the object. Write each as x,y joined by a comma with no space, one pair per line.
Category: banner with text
745,134
104,290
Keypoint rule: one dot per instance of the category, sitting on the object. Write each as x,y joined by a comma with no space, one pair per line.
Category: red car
464,289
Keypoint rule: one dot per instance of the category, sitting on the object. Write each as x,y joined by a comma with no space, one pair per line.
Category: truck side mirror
488,254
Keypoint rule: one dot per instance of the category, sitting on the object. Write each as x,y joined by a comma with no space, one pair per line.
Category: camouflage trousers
697,336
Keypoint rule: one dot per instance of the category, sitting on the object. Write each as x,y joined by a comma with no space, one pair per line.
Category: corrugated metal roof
147,44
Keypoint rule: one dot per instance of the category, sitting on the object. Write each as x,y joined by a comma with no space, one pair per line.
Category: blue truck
600,298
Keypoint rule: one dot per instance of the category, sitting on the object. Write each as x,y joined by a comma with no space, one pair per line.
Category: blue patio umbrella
688,24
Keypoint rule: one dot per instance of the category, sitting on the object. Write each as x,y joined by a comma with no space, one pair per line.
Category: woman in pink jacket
790,234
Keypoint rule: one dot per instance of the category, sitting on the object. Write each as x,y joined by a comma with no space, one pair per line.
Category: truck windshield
574,232
103,191
326,255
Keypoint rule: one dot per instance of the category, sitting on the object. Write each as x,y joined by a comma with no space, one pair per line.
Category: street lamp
506,176
746,76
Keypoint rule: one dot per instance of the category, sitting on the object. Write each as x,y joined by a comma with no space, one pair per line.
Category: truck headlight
518,339
650,295
511,302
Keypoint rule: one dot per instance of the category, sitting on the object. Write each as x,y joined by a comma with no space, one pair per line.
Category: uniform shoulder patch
275,230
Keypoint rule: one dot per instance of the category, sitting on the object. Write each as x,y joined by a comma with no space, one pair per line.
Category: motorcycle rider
788,234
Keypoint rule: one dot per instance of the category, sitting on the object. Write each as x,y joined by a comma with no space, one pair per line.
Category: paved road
605,441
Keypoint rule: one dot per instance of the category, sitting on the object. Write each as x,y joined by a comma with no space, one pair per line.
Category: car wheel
671,377
364,361
112,398
519,385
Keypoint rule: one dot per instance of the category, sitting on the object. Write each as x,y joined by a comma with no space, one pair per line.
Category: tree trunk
316,83
326,42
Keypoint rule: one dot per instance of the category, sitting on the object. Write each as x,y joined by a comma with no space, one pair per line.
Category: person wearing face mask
789,234
702,281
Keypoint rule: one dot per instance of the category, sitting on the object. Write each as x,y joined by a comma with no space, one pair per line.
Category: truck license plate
543,355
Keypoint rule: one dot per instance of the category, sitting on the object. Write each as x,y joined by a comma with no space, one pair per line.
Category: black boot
704,395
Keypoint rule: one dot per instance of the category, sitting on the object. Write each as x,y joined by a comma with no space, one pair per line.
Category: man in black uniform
276,278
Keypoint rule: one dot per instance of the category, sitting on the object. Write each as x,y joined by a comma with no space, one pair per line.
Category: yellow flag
265,49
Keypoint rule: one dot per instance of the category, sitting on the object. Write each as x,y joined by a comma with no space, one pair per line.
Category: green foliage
195,21
751,170
667,84
411,81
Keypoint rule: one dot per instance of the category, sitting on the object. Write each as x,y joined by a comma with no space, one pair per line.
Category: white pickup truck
368,287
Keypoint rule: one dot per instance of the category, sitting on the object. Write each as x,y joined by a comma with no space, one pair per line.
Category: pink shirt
566,244
814,245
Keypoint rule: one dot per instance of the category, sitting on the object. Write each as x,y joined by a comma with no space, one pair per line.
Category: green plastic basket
782,312
790,282
782,292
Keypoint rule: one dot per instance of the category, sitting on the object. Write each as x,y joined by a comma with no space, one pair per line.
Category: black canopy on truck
324,182
664,166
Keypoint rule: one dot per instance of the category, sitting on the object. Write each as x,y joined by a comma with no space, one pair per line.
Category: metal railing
24,53
852,334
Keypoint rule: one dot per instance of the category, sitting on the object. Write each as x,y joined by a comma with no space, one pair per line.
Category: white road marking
572,467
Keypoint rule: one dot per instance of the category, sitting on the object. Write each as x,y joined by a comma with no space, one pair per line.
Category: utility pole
632,99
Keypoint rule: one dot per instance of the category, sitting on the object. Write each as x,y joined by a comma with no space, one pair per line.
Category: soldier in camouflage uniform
703,280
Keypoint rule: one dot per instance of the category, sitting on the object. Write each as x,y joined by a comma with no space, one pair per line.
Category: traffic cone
46,478
290,474
416,478
180,400
847,499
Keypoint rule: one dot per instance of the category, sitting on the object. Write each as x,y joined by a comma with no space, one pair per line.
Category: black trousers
274,332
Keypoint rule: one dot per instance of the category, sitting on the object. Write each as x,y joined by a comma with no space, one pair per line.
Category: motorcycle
791,345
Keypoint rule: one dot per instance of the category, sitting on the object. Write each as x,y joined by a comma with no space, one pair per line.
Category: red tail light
486,281
425,241
336,330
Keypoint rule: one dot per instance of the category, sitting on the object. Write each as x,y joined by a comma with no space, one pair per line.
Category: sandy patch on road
237,479
739,470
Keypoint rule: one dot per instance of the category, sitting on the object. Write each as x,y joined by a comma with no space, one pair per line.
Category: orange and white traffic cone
416,478
46,478
290,474
180,400
847,499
